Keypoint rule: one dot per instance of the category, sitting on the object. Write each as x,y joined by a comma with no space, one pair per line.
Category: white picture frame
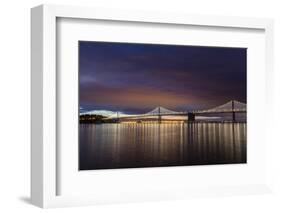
44,169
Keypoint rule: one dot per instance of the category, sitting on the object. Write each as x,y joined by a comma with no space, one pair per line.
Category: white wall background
15,102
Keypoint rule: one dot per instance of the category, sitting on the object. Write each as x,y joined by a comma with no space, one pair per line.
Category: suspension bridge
233,107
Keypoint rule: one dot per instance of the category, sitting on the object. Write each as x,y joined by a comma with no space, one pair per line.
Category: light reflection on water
108,146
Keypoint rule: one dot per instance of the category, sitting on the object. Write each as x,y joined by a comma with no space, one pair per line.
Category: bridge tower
233,112
159,116
190,117
117,117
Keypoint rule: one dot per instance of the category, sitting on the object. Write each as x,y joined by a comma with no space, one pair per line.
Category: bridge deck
180,114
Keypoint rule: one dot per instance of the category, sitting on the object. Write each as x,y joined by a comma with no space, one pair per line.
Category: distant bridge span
229,107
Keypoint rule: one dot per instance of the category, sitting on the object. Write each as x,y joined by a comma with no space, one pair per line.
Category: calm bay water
108,146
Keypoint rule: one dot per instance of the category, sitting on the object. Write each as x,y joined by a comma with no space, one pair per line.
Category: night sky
136,78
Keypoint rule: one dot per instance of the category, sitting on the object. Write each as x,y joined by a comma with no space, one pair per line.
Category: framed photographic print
148,105
132,106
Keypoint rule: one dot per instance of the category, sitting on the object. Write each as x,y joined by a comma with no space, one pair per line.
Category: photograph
159,105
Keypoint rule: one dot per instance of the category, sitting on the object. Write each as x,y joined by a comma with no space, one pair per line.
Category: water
108,146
